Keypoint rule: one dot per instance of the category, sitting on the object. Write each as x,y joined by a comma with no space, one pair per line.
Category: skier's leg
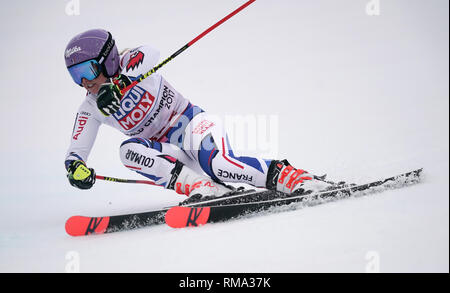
168,166
147,158
205,140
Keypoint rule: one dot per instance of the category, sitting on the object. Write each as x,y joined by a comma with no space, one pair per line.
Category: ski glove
80,175
109,96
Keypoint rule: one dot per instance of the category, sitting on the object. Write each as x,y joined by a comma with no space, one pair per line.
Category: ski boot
196,186
288,180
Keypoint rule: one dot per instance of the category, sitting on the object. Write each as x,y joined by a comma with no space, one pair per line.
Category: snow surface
357,97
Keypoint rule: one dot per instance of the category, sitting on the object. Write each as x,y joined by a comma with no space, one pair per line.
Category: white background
358,97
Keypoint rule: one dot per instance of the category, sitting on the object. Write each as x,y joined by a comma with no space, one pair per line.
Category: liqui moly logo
134,107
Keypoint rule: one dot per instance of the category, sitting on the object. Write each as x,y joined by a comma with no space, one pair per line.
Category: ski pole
120,180
154,69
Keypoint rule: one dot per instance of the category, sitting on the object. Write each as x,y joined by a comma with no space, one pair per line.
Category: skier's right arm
83,137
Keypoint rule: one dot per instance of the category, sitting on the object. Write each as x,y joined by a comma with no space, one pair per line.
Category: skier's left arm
83,137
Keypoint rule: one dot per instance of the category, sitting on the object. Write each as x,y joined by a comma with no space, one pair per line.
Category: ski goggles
90,70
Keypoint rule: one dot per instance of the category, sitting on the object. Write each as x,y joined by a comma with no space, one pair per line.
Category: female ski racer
172,141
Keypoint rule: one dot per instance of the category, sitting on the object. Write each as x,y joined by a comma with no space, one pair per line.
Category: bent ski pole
120,180
154,69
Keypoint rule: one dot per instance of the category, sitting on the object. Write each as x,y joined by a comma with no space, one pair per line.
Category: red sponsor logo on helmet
136,59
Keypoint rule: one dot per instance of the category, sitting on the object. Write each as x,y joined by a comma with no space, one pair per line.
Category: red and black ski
192,216
241,203
180,217
80,225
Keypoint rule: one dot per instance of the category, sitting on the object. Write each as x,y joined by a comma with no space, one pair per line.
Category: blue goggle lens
89,69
